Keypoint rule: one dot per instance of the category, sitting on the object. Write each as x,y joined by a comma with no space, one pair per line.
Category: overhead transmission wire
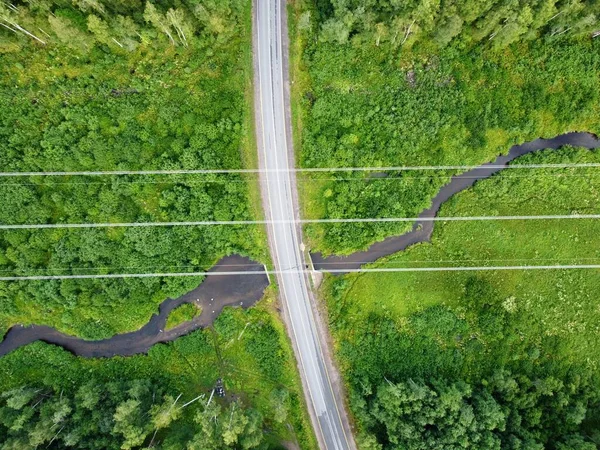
296,271
293,221
322,263
297,170
224,181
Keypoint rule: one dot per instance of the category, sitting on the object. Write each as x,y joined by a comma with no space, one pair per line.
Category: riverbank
422,230
466,326
212,295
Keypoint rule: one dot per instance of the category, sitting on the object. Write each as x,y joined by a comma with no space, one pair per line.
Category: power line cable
300,221
323,263
295,271
295,169
223,181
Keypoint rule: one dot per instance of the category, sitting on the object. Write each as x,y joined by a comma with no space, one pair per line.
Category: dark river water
421,231
212,295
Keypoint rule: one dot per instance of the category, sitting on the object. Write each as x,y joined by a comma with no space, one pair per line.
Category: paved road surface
279,199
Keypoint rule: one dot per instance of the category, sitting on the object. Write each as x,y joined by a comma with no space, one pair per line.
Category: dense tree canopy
121,415
505,412
438,22
112,85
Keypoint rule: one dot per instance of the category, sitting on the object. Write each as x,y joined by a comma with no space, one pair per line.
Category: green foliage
120,26
114,415
492,22
231,428
463,328
102,85
130,402
366,105
181,314
265,345
110,91
504,412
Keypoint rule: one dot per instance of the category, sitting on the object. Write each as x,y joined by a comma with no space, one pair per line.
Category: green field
247,349
466,327
358,104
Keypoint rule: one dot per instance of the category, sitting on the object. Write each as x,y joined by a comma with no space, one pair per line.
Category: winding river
422,230
217,292
212,295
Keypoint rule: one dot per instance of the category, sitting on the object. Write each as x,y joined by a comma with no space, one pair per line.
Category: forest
432,25
505,411
105,85
369,101
488,359
118,415
52,399
112,85
485,359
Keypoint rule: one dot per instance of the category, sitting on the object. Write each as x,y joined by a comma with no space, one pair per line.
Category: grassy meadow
468,325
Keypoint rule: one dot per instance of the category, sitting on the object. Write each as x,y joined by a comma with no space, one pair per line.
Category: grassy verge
249,147
299,79
310,189
304,434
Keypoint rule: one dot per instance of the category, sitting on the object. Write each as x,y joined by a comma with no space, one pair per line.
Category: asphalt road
280,204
